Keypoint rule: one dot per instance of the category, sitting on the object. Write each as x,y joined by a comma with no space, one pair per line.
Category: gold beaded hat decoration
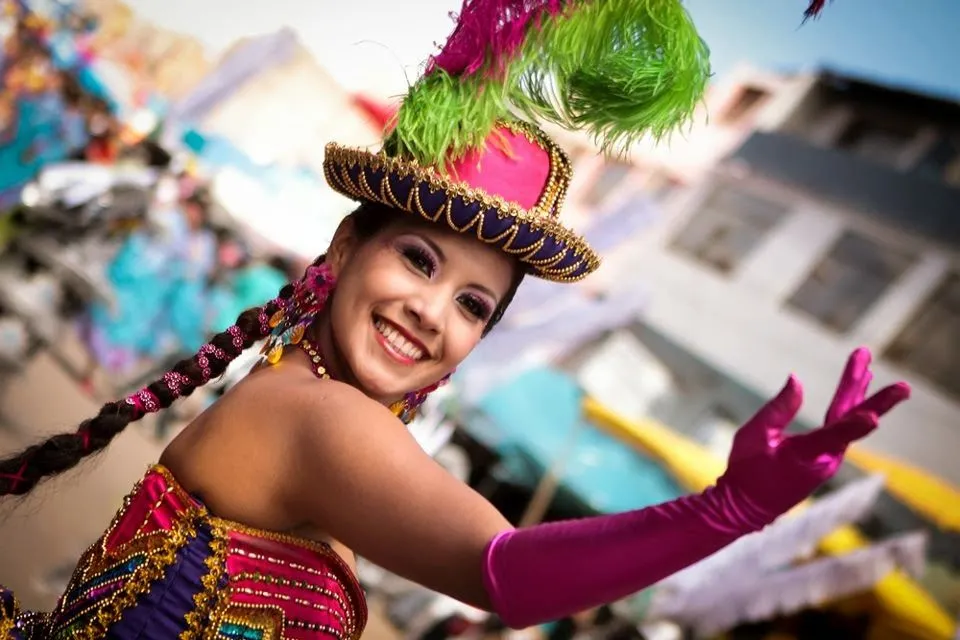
464,149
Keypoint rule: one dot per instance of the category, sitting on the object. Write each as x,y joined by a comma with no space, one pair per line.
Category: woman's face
410,304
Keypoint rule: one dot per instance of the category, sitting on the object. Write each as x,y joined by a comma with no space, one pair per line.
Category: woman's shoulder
298,397
322,402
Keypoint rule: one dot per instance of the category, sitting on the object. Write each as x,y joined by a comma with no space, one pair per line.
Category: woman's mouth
396,344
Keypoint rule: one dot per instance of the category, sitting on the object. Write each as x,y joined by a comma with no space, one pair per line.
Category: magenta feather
490,31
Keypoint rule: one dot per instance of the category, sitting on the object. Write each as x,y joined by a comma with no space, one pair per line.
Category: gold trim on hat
543,216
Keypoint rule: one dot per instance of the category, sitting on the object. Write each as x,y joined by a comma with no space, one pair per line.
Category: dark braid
19,474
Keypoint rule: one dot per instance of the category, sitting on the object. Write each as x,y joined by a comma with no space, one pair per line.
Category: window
942,159
853,275
611,176
746,101
930,343
730,224
661,186
877,140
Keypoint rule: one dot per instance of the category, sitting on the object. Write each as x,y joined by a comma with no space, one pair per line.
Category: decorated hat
464,149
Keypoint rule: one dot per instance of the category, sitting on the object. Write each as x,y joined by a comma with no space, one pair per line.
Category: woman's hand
770,472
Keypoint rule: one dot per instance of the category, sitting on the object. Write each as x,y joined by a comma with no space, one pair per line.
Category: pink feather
814,9
490,31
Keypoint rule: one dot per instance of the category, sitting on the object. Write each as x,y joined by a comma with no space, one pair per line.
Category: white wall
738,323
289,113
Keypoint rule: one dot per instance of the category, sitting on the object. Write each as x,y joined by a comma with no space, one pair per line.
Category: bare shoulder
355,471
320,401
331,417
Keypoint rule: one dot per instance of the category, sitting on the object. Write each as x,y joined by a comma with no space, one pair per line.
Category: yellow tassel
274,356
297,334
276,319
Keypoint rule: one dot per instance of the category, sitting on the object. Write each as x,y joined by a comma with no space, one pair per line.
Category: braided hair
20,473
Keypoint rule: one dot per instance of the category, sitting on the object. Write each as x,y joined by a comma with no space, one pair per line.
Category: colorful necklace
319,369
316,360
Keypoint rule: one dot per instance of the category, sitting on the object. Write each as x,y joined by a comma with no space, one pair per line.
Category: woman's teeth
396,340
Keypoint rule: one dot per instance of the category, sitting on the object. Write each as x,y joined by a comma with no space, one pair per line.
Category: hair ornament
289,324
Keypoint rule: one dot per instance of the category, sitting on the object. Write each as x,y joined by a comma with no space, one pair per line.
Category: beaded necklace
316,360
319,369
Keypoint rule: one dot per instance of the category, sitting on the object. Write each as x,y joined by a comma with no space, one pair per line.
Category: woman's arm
359,475
364,479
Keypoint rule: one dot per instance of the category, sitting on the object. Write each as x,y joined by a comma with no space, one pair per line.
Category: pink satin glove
550,571
769,472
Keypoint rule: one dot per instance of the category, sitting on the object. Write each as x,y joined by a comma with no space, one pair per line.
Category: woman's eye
420,260
475,307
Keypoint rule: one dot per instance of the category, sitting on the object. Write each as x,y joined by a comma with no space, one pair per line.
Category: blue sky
912,43
369,44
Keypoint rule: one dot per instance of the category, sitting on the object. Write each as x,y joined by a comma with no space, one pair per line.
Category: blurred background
161,170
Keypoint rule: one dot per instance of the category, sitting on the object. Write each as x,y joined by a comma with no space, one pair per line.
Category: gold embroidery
542,217
270,620
156,563
152,554
210,596
7,623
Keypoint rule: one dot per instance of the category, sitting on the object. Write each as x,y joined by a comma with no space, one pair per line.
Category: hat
464,149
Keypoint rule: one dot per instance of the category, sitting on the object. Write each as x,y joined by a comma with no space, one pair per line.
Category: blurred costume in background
159,277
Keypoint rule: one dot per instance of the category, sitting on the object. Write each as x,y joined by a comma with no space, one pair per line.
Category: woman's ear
342,246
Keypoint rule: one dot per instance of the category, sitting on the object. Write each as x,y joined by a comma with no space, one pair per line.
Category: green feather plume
618,69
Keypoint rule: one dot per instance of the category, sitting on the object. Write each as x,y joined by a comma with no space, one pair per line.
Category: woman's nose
427,311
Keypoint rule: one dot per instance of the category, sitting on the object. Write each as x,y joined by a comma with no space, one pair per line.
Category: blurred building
264,115
167,62
816,213
276,103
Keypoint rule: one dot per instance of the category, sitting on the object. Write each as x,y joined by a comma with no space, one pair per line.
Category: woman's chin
382,380
383,389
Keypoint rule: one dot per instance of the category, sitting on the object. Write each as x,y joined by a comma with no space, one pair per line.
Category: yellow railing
906,605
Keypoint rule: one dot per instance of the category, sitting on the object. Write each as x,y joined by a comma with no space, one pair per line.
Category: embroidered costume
167,568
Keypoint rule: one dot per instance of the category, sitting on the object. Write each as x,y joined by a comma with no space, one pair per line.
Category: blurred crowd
105,232
49,109
140,260
176,278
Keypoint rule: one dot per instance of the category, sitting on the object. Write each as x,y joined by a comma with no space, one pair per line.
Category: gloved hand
769,472
550,571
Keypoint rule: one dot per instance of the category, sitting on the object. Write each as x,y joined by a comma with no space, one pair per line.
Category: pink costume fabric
168,568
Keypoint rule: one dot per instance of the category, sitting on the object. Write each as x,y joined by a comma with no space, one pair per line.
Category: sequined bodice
167,568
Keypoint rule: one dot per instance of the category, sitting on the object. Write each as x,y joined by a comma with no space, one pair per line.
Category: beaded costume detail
167,568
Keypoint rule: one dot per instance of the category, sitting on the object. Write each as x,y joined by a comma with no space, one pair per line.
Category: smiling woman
430,295
248,525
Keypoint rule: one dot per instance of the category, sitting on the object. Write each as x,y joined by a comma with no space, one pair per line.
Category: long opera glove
550,571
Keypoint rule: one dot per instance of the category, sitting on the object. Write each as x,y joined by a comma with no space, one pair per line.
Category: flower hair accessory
289,323
143,402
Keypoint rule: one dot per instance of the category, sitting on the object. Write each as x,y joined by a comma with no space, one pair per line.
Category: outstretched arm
363,478
366,481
